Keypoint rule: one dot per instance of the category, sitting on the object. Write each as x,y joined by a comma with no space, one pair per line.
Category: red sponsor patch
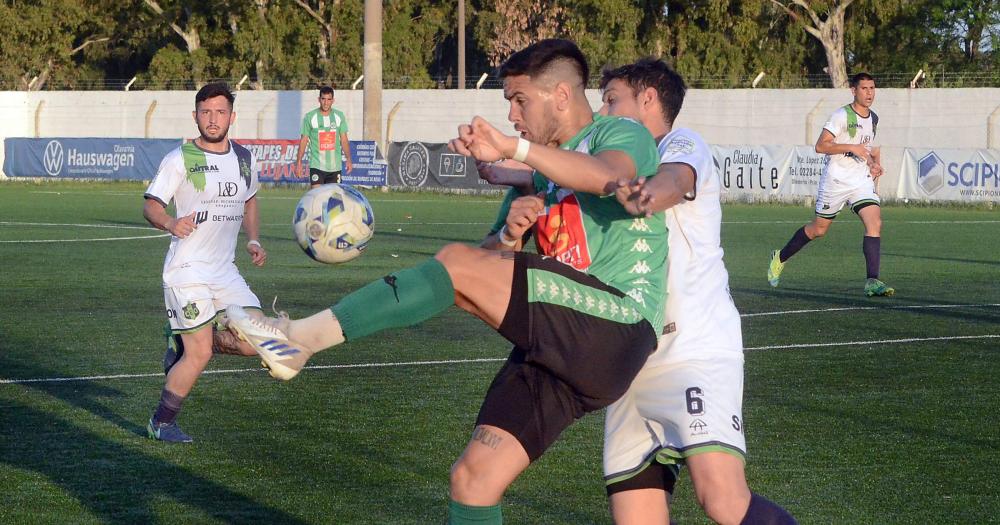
327,140
561,235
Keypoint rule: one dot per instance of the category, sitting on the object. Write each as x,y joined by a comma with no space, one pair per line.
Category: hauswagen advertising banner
138,159
965,175
85,158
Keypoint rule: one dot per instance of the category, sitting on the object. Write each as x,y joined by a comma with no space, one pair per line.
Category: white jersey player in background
685,406
213,184
855,163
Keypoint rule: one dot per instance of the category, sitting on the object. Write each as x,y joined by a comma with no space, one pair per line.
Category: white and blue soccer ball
333,223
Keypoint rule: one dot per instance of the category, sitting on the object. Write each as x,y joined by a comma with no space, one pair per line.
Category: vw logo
53,158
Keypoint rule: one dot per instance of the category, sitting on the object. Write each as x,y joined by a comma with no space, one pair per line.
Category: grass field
867,411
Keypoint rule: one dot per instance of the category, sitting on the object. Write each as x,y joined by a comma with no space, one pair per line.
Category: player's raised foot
168,432
283,357
774,269
875,287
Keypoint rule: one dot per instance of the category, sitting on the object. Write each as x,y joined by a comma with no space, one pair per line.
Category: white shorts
674,411
192,306
833,194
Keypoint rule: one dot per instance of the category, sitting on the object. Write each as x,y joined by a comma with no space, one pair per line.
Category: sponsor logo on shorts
698,427
191,311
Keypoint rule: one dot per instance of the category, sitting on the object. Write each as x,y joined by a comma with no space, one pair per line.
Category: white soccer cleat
282,356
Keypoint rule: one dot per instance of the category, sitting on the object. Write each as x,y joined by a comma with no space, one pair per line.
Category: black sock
795,244
169,407
763,511
872,247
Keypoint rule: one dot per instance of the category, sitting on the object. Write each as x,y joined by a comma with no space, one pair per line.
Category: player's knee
818,231
453,254
724,507
466,480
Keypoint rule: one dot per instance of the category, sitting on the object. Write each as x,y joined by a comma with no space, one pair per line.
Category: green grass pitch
857,410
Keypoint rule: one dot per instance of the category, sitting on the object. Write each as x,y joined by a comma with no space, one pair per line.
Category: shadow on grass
117,483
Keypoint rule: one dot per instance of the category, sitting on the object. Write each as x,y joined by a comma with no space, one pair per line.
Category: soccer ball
333,223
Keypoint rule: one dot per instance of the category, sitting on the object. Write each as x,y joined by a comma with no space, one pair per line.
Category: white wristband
254,242
503,237
522,149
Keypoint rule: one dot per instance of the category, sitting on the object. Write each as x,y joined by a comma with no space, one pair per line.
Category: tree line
299,44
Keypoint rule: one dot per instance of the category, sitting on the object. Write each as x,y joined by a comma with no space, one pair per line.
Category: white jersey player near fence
685,405
855,163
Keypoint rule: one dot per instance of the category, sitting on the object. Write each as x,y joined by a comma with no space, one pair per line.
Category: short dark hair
537,58
858,77
652,73
215,89
325,90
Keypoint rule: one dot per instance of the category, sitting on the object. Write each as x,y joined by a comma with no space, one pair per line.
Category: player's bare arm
303,145
507,173
345,145
826,145
598,174
156,214
875,166
644,196
251,225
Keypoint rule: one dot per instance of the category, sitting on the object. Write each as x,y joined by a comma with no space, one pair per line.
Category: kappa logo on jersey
191,311
561,234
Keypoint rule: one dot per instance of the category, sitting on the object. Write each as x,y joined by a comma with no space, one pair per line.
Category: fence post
810,122
38,118
991,124
149,118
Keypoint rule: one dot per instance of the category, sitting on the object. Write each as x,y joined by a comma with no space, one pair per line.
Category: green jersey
595,234
324,138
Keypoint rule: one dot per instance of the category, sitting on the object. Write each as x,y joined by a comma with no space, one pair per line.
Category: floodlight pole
373,71
461,44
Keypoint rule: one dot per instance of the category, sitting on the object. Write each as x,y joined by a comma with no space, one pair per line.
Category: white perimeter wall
923,118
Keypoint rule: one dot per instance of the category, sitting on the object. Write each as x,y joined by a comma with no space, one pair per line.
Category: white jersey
698,300
848,127
215,187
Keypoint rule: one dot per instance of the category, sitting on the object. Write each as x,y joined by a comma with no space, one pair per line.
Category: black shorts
323,177
565,362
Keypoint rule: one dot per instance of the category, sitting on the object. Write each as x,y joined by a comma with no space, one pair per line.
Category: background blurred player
213,183
581,318
685,406
324,132
854,164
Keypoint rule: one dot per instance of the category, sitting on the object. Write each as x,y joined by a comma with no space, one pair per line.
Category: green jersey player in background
324,133
854,164
581,316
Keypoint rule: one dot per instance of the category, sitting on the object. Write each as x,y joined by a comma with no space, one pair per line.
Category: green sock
461,514
403,298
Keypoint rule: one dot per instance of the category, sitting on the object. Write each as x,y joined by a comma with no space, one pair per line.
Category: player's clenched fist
523,214
183,226
482,141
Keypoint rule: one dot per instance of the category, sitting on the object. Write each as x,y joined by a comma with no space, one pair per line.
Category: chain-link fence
967,79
